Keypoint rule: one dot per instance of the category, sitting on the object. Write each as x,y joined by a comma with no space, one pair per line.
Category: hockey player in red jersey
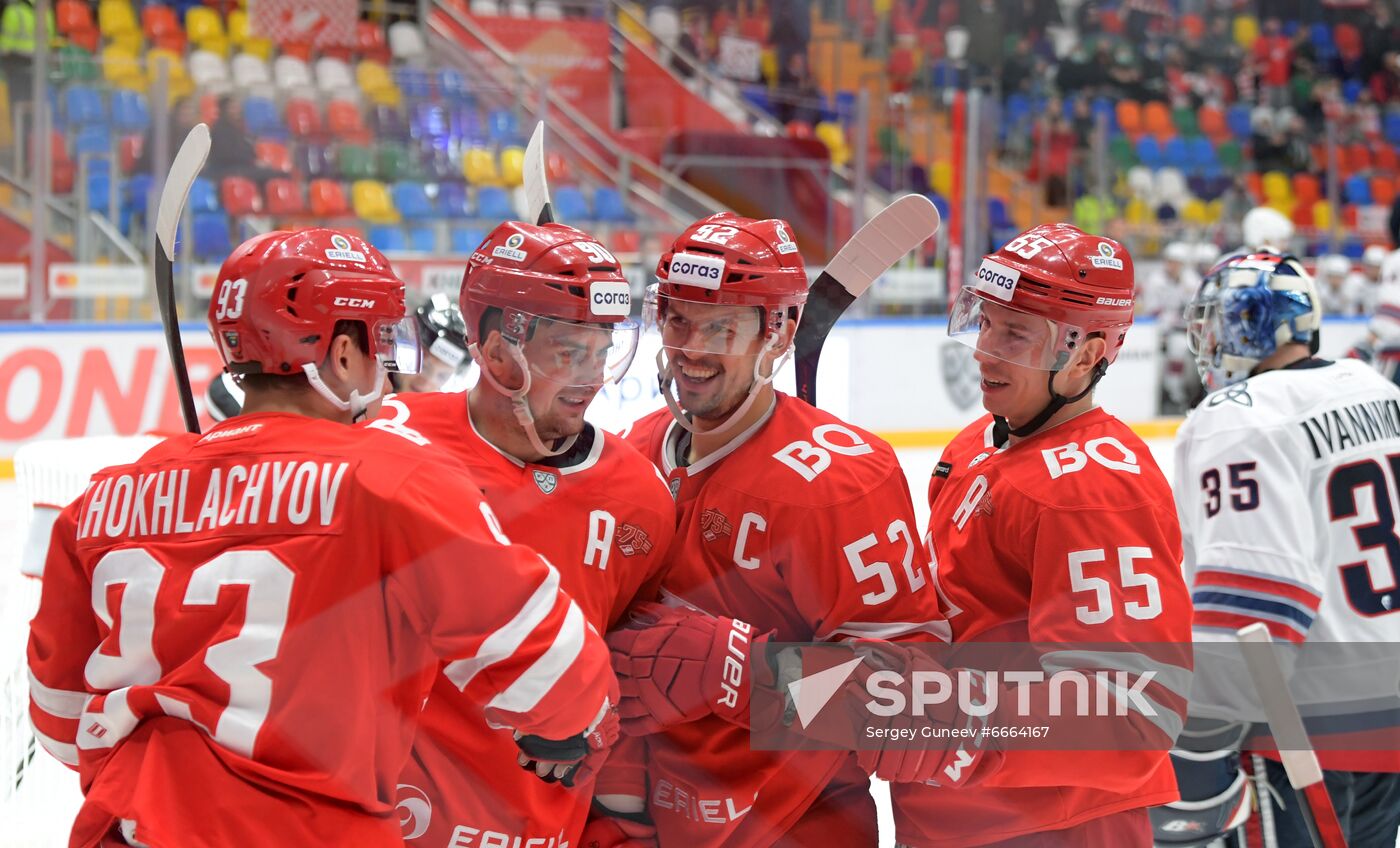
1050,523
792,525
547,321
237,632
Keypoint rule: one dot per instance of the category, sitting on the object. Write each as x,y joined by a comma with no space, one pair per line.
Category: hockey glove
677,665
574,760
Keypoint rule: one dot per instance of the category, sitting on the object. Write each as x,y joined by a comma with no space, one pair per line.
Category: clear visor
569,354
1200,315
396,345
1011,336
704,328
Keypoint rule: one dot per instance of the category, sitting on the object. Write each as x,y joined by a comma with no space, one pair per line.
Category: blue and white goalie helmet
1247,306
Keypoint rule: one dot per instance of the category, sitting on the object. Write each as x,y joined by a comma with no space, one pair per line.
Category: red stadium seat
1387,162
73,16
1348,41
1306,188
1358,158
625,241
284,198
558,169
163,27
328,199
302,118
128,151
1254,184
1303,215
1212,123
274,155
1130,117
1382,190
240,196
63,169
370,42
1157,120
344,122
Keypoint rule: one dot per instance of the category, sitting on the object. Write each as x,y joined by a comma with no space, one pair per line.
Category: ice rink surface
38,813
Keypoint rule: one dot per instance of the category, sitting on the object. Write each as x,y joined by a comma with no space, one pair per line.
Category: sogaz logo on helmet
694,269
997,279
609,297
1106,259
511,249
342,251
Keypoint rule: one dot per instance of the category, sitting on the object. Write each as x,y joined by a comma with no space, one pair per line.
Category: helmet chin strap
518,404
1057,402
357,405
665,377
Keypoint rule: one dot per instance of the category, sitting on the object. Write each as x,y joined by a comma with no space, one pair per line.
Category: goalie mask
443,334
1245,308
561,305
728,286
280,295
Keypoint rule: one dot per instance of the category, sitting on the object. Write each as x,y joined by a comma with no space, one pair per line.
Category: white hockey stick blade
1290,737
536,181
187,165
884,240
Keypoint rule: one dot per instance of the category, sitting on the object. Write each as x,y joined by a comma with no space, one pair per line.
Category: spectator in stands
1219,44
183,115
1273,62
1393,225
986,28
789,32
798,99
231,149
17,38
1079,73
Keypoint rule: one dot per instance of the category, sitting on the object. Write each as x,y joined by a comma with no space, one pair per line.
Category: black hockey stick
188,162
536,181
1299,760
873,250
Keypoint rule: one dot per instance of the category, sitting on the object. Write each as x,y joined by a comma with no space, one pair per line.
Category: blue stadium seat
130,111
1237,119
1175,153
99,183
466,239
415,83
422,238
1392,127
1104,106
203,196
262,119
1149,153
757,95
466,124
846,106
505,129
83,106
609,205
387,238
1200,153
1351,89
998,218
1354,248
570,204
452,200
412,201
494,203
429,123
92,139
453,85
1357,190
1320,34
211,237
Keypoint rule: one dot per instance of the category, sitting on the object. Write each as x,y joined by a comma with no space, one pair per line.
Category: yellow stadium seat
479,167
512,166
372,202
768,65
940,177
834,138
631,20
1194,212
115,17
238,27
121,67
374,80
1278,189
1139,212
129,40
205,28
1246,31
1214,211
260,47
1322,215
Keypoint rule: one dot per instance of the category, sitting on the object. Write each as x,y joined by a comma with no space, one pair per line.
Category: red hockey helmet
564,301
729,260
1072,284
280,294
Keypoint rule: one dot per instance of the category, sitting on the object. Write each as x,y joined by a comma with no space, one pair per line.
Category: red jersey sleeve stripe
1216,577
1230,622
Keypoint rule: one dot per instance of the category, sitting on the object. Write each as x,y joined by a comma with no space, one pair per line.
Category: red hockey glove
571,761
676,665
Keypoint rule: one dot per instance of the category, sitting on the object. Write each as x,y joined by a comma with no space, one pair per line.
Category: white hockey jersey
1288,489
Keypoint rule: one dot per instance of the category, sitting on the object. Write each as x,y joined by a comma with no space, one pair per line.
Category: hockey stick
1299,759
536,183
873,250
188,162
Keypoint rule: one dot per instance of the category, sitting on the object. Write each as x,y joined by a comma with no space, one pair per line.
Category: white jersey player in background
1288,487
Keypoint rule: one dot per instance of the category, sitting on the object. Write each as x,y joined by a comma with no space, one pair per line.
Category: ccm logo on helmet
609,298
693,269
997,279
354,302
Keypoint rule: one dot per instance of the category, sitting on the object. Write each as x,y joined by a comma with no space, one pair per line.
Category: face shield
395,343
700,328
1018,338
573,355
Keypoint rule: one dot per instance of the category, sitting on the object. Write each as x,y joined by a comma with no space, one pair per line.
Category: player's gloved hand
676,665
960,758
571,761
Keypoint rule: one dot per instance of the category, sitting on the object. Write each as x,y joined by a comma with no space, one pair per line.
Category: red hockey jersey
237,632
804,525
1069,537
602,516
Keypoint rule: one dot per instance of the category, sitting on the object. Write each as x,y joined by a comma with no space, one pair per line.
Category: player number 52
1101,606
881,570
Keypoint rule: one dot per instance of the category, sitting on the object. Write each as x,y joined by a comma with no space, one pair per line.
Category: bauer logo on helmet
693,269
609,298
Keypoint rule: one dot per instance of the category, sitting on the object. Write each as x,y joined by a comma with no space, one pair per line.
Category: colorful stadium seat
479,167
303,120
240,196
464,240
570,204
327,199
372,202
452,200
512,166
211,237
284,197
608,205
494,203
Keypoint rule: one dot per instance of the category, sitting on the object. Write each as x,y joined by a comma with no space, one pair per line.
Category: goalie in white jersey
1288,488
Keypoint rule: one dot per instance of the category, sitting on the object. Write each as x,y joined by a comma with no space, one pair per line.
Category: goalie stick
188,162
1299,760
873,250
536,182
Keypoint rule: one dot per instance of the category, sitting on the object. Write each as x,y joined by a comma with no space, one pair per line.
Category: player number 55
1101,607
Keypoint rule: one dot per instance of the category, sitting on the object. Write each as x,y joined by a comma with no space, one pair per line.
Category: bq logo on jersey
692,269
342,251
997,279
1106,259
609,298
511,249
